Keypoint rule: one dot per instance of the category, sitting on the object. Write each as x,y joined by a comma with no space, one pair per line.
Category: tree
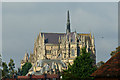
100,63
25,68
5,70
0,60
81,69
19,72
113,53
0,66
11,68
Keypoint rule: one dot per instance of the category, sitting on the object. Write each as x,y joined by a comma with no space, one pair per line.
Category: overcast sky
22,22
0,27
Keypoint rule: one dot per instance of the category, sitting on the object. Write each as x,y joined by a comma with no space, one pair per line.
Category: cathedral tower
68,23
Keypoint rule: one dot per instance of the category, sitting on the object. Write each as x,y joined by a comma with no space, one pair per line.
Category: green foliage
25,68
19,72
5,70
99,64
81,69
11,68
8,72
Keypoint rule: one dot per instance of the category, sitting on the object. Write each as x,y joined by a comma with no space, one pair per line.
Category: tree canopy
11,68
5,70
8,70
25,68
99,64
82,67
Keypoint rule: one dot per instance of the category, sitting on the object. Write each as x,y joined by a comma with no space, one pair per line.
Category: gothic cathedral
53,51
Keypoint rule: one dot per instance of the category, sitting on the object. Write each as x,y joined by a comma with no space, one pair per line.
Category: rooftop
110,69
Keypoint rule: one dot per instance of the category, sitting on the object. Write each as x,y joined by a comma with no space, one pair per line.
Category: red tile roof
53,76
110,69
39,76
23,77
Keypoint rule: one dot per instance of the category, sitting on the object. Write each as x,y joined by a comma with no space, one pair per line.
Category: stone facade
61,46
26,58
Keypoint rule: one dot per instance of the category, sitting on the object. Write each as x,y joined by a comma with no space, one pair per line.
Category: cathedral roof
53,38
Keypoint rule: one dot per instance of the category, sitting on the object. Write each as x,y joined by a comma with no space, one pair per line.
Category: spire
75,30
26,57
93,36
68,18
68,23
43,38
59,39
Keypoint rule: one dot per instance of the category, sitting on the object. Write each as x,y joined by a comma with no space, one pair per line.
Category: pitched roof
110,69
53,38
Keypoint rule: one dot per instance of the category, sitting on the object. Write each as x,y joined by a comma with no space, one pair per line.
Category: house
110,70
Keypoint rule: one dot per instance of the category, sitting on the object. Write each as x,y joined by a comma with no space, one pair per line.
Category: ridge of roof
61,33
52,33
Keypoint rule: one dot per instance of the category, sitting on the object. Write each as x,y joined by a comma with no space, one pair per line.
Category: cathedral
54,51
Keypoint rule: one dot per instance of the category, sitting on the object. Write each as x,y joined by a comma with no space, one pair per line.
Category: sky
22,22
0,27
118,24
60,0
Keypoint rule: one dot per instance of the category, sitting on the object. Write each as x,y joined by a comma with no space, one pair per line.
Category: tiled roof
53,38
39,76
110,69
25,77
